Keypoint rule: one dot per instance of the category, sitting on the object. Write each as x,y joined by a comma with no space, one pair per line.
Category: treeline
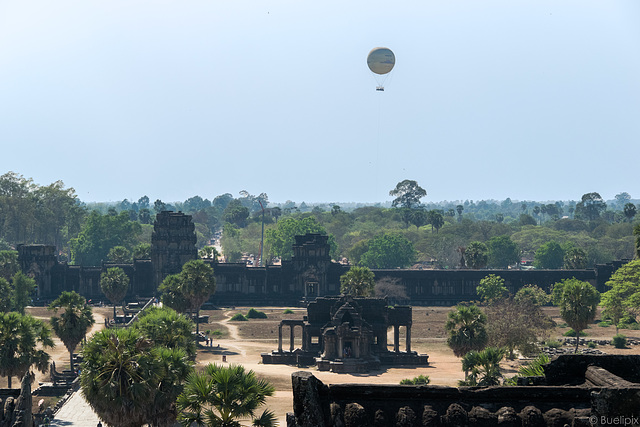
444,235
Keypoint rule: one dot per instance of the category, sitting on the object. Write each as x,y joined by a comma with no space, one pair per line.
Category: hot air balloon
381,61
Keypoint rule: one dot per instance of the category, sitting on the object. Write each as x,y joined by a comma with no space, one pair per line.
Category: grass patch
605,324
288,311
419,380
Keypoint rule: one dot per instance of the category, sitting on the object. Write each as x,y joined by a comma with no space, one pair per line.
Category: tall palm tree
130,382
20,336
466,328
221,396
197,285
578,302
74,322
114,283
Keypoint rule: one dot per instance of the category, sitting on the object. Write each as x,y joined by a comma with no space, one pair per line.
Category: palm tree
484,366
197,285
166,328
114,284
20,335
129,381
74,322
357,282
221,396
466,327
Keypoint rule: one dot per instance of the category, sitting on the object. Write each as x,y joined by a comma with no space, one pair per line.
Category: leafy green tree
99,234
636,232
223,396
476,255
357,282
459,209
575,259
533,293
129,381
407,194
590,206
166,328
466,326
9,264
503,252
114,284
578,302
484,367
74,321
5,295
23,287
119,255
614,307
549,256
280,239
22,342
236,213
492,288
388,251
623,299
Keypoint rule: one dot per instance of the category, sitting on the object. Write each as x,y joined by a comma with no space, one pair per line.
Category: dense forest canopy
548,234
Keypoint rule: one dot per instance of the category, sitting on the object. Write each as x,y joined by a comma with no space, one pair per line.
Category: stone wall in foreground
601,399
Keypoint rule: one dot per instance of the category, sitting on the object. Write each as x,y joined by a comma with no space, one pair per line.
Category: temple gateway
347,334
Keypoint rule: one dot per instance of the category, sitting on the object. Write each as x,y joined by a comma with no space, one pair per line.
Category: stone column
291,336
408,338
280,338
396,338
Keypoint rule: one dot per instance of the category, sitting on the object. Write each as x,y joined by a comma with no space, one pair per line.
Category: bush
632,326
217,333
255,314
591,344
572,333
554,344
288,311
239,317
605,324
619,341
419,380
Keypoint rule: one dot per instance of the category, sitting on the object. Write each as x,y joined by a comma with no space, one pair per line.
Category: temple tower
173,243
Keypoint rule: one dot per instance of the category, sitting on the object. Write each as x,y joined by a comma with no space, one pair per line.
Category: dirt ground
243,342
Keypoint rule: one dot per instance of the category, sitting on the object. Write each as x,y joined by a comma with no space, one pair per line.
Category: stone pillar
291,336
280,338
305,344
396,338
408,346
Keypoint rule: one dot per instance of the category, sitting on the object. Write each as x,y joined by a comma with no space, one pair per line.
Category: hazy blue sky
528,99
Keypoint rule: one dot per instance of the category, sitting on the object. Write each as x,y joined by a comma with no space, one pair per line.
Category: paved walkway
76,412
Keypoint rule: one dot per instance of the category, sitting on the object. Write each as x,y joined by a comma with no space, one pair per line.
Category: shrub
255,314
619,341
419,380
572,333
554,344
604,324
217,333
239,317
288,311
591,344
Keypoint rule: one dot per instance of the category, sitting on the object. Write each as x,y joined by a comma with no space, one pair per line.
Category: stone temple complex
347,334
311,273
